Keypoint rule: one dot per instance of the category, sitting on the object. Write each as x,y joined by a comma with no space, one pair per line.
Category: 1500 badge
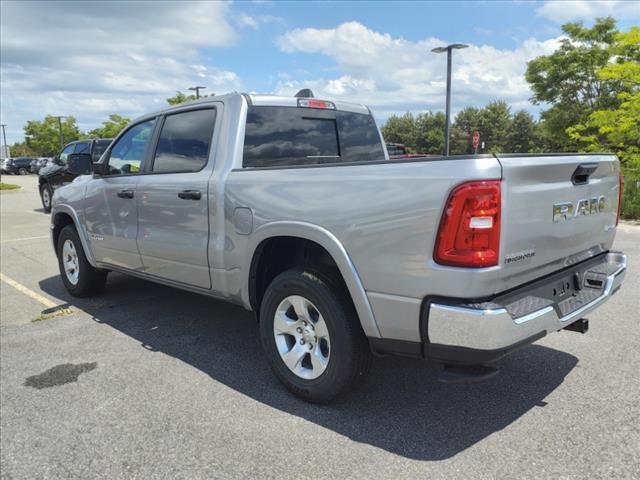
586,206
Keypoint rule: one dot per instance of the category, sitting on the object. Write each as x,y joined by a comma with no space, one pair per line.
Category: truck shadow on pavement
400,408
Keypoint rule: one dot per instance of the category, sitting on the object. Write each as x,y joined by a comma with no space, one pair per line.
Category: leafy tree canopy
179,98
568,79
43,137
110,128
617,128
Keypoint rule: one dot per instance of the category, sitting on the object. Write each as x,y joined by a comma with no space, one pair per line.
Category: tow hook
465,373
580,326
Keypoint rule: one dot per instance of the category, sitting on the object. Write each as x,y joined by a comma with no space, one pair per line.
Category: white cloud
247,21
395,74
561,11
91,59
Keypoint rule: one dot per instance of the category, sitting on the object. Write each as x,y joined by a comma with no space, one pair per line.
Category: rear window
290,136
184,141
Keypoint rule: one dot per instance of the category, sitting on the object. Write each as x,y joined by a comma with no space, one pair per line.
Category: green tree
429,133
21,149
494,127
568,80
110,128
466,122
179,98
523,134
401,129
617,128
43,137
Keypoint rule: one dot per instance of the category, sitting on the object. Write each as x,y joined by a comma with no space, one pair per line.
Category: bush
630,194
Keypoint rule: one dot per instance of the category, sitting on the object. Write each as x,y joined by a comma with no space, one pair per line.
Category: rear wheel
45,195
78,276
22,171
312,336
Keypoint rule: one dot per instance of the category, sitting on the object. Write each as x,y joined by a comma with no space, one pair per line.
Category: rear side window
184,141
290,136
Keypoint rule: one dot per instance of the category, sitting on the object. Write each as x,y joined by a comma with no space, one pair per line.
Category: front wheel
78,276
312,336
22,171
45,195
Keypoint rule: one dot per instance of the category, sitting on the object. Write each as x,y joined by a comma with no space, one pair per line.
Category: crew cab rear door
173,211
556,210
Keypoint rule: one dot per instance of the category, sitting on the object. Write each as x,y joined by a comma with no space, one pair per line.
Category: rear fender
332,245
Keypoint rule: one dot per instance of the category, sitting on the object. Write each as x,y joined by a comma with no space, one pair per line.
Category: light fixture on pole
197,90
448,49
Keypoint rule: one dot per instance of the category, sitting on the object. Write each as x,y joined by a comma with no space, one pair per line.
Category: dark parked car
18,166
56,173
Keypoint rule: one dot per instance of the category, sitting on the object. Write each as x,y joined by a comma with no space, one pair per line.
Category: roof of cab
258,100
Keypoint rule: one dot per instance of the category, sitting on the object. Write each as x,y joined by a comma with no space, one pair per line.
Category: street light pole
197,90
447,126
60,117
4,137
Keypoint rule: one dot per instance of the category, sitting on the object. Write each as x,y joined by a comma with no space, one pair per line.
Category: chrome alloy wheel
70,262
302,337
46,198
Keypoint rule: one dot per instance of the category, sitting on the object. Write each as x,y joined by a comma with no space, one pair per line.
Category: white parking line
28,292
25,239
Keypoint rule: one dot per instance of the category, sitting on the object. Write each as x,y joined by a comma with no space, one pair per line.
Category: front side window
185,138
83,147
289,136
68,150
128,152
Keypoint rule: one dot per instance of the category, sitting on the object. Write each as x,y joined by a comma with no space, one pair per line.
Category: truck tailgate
556,210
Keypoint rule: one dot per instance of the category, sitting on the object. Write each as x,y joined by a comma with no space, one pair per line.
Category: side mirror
99,168
80,164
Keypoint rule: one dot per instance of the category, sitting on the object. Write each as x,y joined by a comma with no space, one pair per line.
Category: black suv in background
18,166
57,174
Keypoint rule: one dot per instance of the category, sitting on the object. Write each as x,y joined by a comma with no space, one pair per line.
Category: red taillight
619,197
469,234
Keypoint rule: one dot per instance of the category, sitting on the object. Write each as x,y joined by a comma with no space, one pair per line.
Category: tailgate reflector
469,233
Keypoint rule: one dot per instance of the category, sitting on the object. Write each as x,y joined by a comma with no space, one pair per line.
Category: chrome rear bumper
496,328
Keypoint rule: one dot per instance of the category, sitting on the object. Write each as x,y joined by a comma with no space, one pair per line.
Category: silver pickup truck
291,207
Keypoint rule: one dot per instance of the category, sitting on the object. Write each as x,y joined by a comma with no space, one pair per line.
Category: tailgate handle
581,174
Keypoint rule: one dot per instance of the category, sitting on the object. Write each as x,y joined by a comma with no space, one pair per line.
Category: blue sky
93,59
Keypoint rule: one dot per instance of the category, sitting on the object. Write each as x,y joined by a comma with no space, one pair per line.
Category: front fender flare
84,239
331,244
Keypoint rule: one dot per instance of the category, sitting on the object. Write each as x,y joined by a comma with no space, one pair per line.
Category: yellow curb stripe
28,292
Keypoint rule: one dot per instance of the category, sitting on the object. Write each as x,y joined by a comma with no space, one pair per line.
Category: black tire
90,280
22,171
350,356
46,187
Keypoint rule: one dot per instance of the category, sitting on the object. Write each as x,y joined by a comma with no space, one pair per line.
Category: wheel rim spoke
294,357
282,323
300,306
318,361
321,328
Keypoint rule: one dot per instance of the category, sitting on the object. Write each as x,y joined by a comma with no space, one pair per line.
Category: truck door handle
125,194
190,195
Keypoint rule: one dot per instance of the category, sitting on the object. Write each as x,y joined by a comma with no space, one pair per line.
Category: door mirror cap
99,168
80,164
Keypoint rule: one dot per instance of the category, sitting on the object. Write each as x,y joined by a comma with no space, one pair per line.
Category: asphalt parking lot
150,382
